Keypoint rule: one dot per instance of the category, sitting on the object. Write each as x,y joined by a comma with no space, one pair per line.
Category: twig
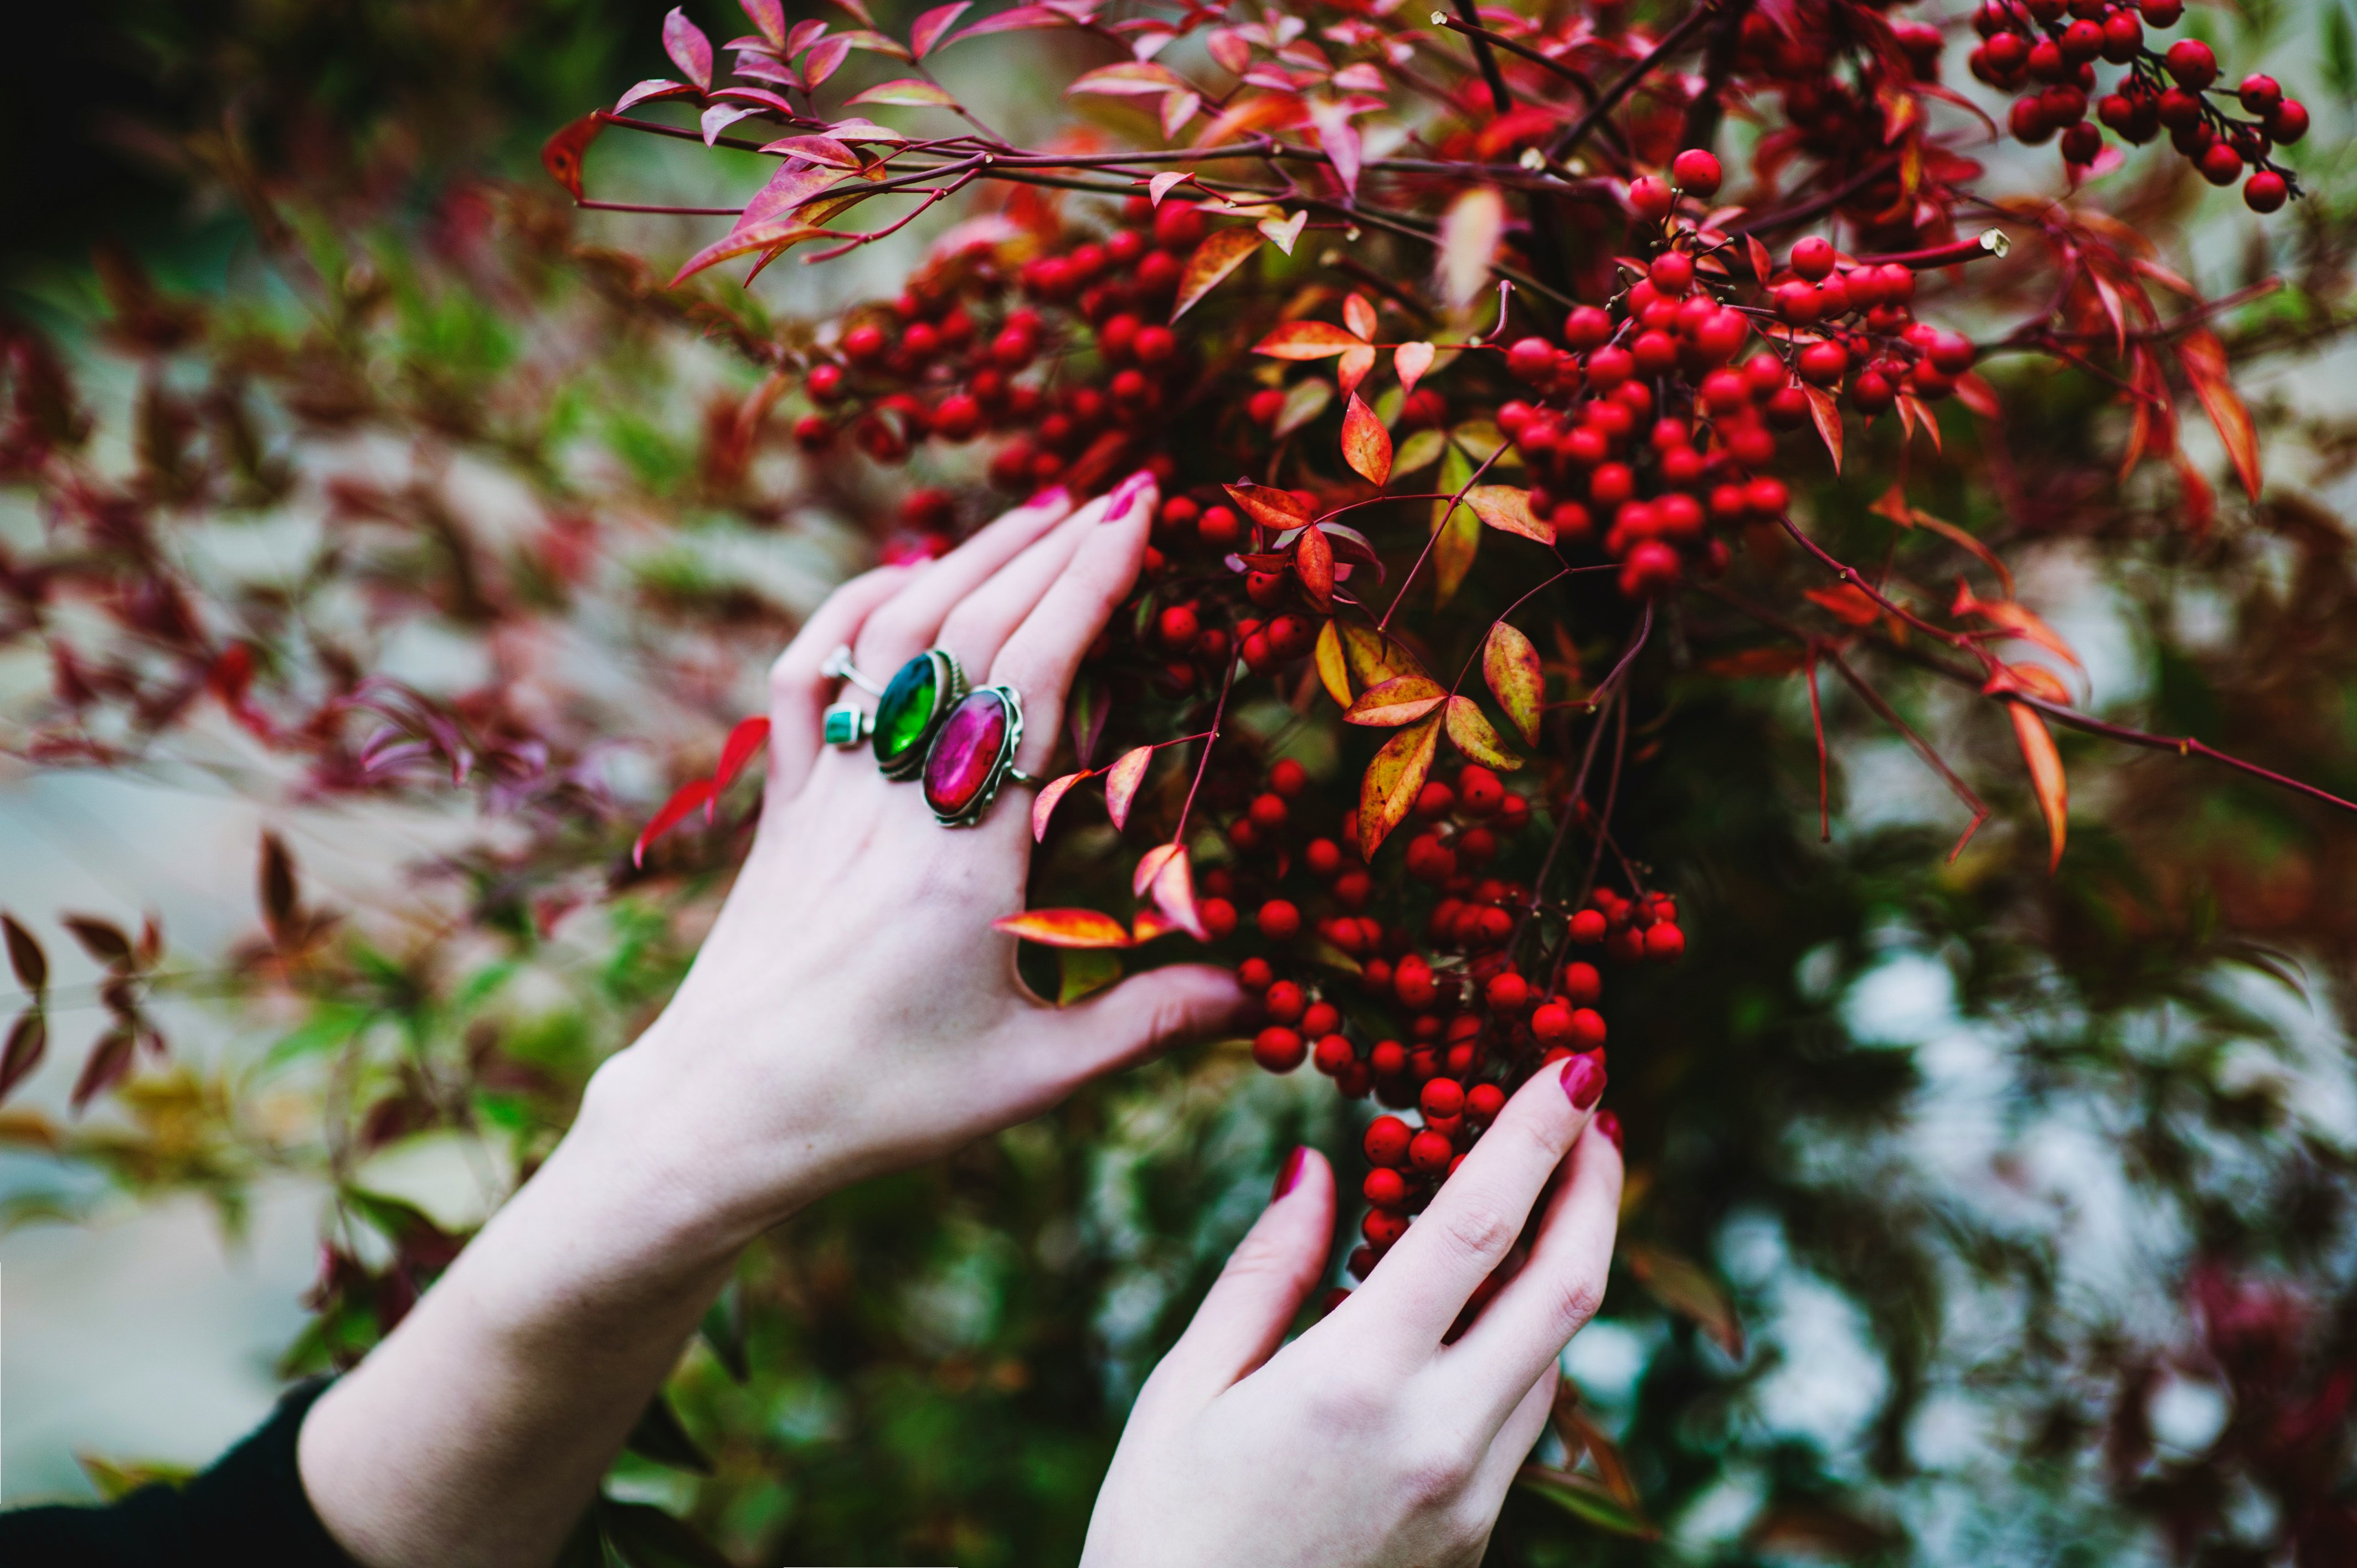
1610,99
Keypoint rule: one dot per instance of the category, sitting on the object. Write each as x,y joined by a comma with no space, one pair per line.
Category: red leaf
1763,267
564,154
1214,259
1507,509
1366,446
2046,775
2204,358
688,48
110,1062
1847,601
1015,19
28,1040
1043,805
25,956
1122,780
1827,414
102,940
1307,340
1313,561
1387,791
686,799
775,235
1409,361
826,58
744,743
769,16
1270,507
1174,894
1339,139
652,90
1065,928
1403,699
277,886
1516,679
1352,367
2016,619
927,32
1149,867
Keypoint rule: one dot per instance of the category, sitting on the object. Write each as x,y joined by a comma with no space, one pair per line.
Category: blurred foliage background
1975,1215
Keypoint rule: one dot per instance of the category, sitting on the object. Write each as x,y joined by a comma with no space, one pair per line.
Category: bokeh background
2021,1207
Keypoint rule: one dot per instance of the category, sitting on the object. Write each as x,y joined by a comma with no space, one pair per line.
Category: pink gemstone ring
972,755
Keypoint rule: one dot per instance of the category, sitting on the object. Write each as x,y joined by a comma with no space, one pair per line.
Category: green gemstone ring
910,709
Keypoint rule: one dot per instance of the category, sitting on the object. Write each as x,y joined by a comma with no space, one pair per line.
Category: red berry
1650,198
1387,1059
1219,918
1279,1049
1551,1023
1384,1188
2288,124
1289,777
1383,1227
2265,192
2190,61
1285,1002
1697,172
1588,927
1254,974
1333,1053
1531,360
1386,1141
2259,94
1267,810
863,342
1822,364
1479,790
2219,163
1321,1018
1442,1097
1483,1101
1587,1029
1178,226
1585,328
2082,142
1508,992
1664,942
1812,258
1428,1151
1672,272
2160,13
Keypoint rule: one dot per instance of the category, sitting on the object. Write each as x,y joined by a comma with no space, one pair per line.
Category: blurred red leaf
110,1062
1015,19
1847,601
927,32
1507,508
1065,928
2204,358
564,154
825,58
1173,890
1307,340
1122,780
102,940
1686,1290
1827,414
653,90
28,1040
744,743
2015,617
1366,446
686,799
1313,562
769,16
1269,506
775,235
1409,361
688,48
2046,777
25,956
1387,791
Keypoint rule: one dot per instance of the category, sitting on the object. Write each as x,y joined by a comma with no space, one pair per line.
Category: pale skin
797,1059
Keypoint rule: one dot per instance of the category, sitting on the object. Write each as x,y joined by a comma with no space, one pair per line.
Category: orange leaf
1174,894
1213,260
1516,679
1359,315
1313,562
1388,789
1410,360
1848,602
1267,505
2045,774
1827,413
2204,358
1974,393
2014,618
1471,728
1149,867
685,800
1065,928
1122,780
1333,669
2201,501
1366,446
1307,340
1352,367
2034,679
1507,508
1044,806
744,743
1374,658
1685,1289
1403,699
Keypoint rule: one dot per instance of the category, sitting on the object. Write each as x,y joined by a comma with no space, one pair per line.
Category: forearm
478,1431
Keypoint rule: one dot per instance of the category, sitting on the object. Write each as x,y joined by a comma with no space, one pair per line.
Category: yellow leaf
1374,658
1471,728
1388,789
1065,928
1367,446
1508,510
1333,671
1516,679
1401,700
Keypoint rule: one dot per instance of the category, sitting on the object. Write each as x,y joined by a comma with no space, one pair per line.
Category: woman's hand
1372,1440
852,1010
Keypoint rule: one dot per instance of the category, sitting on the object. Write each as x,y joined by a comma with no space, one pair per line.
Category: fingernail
1127,494
1583,1082
1055,498
1288,1173
1610,1125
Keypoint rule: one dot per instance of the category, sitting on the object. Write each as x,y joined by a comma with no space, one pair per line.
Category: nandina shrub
1474,677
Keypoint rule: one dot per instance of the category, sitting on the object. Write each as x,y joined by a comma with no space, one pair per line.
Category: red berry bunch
2056,45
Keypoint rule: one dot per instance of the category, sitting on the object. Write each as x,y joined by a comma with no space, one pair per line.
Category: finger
1256,1297
1041,655
1478,1212
1144,1015
1560,1287
981,621
798,693
1511,1449
907,626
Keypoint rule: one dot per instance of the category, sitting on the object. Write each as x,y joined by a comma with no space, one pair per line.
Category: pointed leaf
25,958
908,91
1083,972
1458,526
688,48
1065,928
2046,778
1387,791
1304,401
1015,20
1826,413
816,149
1686,1290
1122,780
1043,806
1469,233
2016,617
1271,508
1220,254
774,235
2204,358
1178,108
1409,361
108,1064
1130,78
1352,367
1367,448
1333,673
1511,665
826,58
688,799
1374,658
564,154
1418,452
1149,867
1159,185
745,742
1471,728
1173,888
1359,315
1507,508
1313,562
1403,699
1587,1497
1307,340
652,90
28,1041
876,43
926,33
769,16
1339,139
1283,233
102,940
719,117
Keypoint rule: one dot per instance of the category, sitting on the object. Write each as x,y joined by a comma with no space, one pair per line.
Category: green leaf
2340,52
723,1328
642,1536
1584,1496
659,1437
1083,972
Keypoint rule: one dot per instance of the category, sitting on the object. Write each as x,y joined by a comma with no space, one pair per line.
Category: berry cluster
2055,44
1442,1021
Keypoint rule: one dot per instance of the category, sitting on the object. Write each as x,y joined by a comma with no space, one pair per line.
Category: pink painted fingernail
1127,494
1054,499
1610,1125
1583,1082
1288,1173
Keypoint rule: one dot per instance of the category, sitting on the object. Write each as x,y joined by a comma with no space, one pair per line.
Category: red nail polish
1610,1125
1050,499
1126,495
1288,1173
1583,1082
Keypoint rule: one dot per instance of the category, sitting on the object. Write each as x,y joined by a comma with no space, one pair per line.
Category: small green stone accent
905,713
844,724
